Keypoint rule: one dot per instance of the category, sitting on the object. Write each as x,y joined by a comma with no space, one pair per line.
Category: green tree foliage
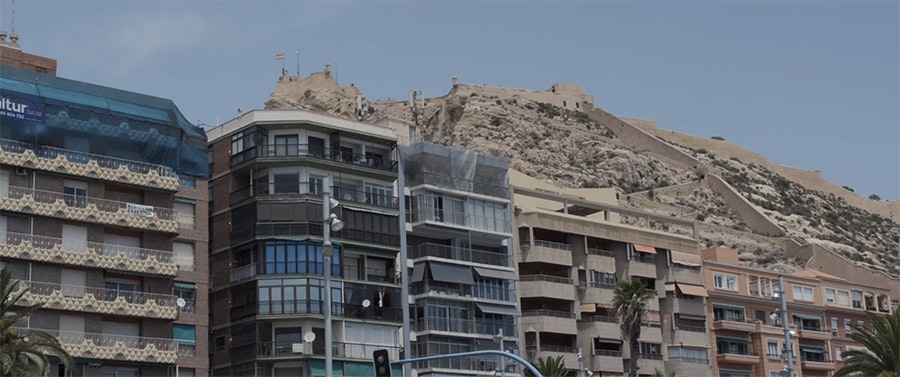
551,366
24,352
882,355
629,302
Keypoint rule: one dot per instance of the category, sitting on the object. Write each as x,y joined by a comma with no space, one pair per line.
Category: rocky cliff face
569,148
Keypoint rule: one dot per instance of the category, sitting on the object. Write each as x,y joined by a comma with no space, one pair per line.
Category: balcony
569,354
459,254
341,350
814,333
295,152
88,254
548,252
88,165
281,191
543,320
607,361
464,326
736,325
99,300
737,357
599,326
315,308
495,226
81,208
117,347
816,363
315,229
546,286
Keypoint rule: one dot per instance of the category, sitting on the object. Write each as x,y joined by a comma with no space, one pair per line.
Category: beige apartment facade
746,330
572,248
102,217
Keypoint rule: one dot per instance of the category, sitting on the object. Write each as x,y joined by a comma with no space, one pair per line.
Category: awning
418,273
359,369
691,317
807,316
692,290
732,340
185,285
497,309
685,259
670,287
495,274
317,368
812,349
723,306
184,333
644,248
450,273
588,308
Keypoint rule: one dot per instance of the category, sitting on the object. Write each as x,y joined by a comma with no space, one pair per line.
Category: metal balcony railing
547,313
117,257
343,194
132,297
347,350
368,160
458,253
115,347
553,245
460,218
599,318
111,164
464,326
546,278
608,353
553,348
601,252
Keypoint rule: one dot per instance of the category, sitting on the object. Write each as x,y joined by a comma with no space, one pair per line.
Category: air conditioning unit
21,171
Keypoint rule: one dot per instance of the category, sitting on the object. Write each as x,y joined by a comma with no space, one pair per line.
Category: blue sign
21,109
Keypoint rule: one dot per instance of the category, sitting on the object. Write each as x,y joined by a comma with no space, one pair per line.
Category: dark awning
497,309
807,316
418,273
495,274
451,273
729,339
812,349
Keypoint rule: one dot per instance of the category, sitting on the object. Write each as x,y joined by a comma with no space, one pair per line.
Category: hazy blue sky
808,84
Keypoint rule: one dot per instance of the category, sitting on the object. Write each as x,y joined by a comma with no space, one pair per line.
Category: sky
809,84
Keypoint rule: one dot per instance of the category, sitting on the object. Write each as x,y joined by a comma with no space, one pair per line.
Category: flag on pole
279,56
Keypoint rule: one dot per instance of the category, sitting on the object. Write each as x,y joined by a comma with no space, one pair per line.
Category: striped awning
644,248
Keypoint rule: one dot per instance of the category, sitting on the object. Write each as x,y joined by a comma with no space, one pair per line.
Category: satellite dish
180,302
309,337
366,303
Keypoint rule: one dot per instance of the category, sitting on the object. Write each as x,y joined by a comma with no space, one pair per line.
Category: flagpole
298,63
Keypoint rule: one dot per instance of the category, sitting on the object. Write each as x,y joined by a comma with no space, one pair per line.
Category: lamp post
501,364
580,363
330,221
788,343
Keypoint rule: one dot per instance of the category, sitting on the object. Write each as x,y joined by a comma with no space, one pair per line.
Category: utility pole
788,343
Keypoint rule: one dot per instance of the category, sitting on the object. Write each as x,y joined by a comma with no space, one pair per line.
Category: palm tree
882,355
24,352
551,366
630,304
660,373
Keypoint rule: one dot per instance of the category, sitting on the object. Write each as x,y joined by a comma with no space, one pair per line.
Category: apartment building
102,212
747,332
462,281
572,247
270,169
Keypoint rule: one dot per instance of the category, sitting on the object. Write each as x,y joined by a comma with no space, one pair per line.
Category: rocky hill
770,213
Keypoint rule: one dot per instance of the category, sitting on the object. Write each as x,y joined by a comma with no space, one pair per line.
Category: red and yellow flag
279,56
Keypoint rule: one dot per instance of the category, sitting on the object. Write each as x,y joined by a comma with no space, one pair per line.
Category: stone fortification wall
824,259
567,96
637,138
755,220
810,179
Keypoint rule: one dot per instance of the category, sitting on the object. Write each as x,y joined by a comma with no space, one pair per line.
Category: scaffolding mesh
456,169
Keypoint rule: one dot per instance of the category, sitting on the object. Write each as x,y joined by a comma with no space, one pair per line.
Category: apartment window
861,323
838,351
379,195
775,373
286,183
121,288
808,322
725,281
75,193
834,326
286,145
2,229
829,295
184,212
848,329
187,292
186,338
857,299
730,345
119,372
651,351
603,279
242,141
689,355
772,349
803,293
728,313
492,289
843,298
184,255
74,238
316,183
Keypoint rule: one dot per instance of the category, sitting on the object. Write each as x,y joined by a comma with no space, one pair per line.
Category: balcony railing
736,352
315,229
651,356
103,211
553,245
369,274
553,348
100,300
289,151
601,252
598,284
186,349
546,278
346,350
464,326
88,165
315,307
547,313
117,347
342,194
806,358
692,360
599,318
458,253
89,254
460,218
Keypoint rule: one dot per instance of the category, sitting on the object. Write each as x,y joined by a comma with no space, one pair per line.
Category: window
183,253
837,353
74,238
847,328
184,212
725,281
2,230
861,323
834,326
843,298
286,183
119,372
286,145
379,195
772,349
186,338
803,293
829,295
689,355
730,345
857,299
187,292
651,350
316,183
75,193
603,279
728,313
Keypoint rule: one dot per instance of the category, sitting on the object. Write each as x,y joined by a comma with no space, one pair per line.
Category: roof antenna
12,29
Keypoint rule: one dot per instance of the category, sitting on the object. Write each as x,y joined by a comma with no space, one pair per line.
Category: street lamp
788,343
330,222
499,338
